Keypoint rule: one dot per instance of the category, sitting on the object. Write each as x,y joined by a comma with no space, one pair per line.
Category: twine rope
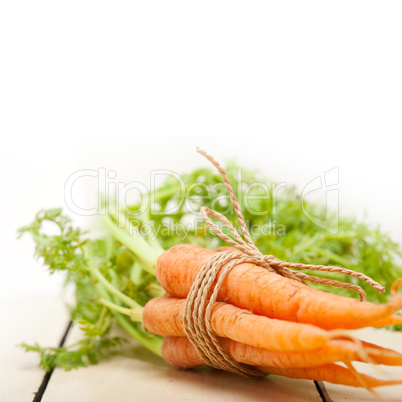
203,292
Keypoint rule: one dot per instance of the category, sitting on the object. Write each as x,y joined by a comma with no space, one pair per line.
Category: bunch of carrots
277,324
262,319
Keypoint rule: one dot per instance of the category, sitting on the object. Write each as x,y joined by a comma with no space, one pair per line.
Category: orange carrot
180,353
335,351
393,319
332,373
164,316
267,293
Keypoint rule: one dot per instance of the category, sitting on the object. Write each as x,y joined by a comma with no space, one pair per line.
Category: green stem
145,217
154,290
102,317
114,278
97,274
135,273
150,238
109,241
134,314
116,292
152,343
133,241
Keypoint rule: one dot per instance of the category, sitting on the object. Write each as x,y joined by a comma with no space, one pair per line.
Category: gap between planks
127,375
322,391
42,388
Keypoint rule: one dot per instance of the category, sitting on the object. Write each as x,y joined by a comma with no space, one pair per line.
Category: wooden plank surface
42,320
139,375
381,337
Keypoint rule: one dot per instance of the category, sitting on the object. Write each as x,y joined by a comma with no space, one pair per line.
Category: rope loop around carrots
204,291
198,311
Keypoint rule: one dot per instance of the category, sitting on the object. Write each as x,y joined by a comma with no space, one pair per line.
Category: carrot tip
395,285
396,302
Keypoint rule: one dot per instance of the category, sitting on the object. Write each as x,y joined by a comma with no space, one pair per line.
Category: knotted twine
203,292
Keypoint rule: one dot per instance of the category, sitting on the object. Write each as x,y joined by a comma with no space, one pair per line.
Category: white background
291,88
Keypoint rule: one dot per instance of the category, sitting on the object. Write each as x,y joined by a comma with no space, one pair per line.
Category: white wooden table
138,375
